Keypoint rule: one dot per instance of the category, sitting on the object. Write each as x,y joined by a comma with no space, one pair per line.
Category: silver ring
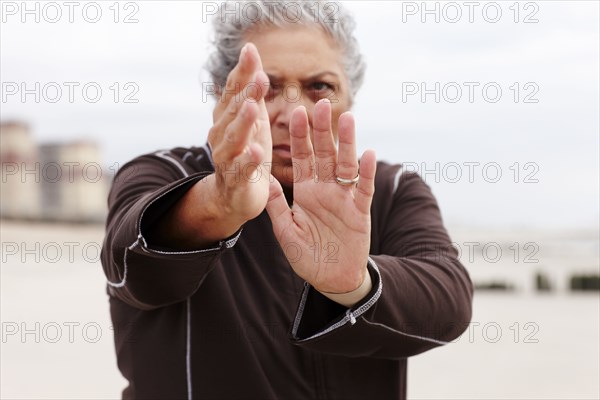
346,182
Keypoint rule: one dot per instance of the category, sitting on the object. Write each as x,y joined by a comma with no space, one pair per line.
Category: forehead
297,51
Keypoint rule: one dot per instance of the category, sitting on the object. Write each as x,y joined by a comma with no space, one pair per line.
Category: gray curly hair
233,19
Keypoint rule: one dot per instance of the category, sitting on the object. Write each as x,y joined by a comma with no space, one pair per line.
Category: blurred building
56,181
73,184
20,189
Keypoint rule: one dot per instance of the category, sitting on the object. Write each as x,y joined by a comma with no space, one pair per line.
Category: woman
266,264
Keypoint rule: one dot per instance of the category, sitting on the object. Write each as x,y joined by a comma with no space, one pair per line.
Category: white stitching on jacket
397,180
167,156
188,347
124,280
350,315
188,331
144,246
141,241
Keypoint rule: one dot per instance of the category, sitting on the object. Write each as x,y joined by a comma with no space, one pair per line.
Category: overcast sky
546,141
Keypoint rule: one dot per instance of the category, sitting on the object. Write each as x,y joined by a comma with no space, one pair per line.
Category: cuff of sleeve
318,316
156,206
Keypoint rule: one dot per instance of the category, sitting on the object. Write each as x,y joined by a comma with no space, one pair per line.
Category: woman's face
304,65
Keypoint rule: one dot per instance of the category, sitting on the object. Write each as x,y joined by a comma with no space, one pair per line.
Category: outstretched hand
241,139
326,233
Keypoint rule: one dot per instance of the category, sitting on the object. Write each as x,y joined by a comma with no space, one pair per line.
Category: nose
280,108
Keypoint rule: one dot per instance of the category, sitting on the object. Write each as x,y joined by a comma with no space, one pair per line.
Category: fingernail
243,51
325,100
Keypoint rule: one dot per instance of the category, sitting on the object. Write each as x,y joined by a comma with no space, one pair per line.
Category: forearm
198,220
139,272
218,205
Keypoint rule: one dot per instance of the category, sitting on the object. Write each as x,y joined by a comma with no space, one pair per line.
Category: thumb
277,207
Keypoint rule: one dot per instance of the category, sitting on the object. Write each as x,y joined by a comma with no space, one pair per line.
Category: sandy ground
57,336
56,331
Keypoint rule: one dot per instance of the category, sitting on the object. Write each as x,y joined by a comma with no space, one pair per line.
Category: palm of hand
326,233
241,139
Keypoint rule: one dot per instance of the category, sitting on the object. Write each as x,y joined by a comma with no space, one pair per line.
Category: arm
165,230
240,139
140,271
421,296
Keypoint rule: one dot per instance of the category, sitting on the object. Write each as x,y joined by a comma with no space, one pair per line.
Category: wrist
221,208
349,299
218,212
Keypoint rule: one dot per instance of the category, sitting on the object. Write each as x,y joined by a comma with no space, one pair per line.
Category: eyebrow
309,78
320,74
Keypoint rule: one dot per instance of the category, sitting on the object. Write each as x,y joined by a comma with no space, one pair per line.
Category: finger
257,89
366,182
323,143
278,209
239,77
263,131
347,163
223,117
248,162
301,146
255,93
249,63
237,134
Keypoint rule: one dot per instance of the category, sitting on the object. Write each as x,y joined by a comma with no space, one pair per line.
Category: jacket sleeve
421,296
141,274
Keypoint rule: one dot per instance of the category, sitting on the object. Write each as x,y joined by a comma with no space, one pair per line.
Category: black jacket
235,322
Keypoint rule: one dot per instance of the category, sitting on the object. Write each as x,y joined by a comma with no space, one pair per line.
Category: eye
321,86
320,89
274,90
